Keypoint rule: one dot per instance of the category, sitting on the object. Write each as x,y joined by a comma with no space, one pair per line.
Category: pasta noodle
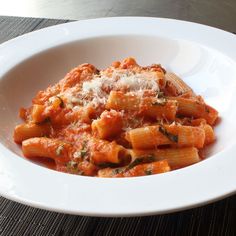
176,86
194,108
109,124
124,121
153,136
30,130
176,157
148,106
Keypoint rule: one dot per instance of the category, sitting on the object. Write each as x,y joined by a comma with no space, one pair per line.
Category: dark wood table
218,218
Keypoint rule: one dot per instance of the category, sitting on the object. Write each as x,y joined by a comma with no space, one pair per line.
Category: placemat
16,219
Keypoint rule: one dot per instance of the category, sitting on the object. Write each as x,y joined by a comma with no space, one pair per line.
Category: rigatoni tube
193,108
176,157
30,130
47,147
148,106
153,136
103,151
109,124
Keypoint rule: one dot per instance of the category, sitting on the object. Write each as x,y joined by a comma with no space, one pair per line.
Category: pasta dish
126,120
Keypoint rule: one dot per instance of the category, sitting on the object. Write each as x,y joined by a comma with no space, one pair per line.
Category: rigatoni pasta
176,157
123,121
158,135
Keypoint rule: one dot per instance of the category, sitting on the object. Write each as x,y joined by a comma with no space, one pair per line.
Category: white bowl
204,57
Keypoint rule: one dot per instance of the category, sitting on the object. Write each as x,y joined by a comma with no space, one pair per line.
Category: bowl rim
186,195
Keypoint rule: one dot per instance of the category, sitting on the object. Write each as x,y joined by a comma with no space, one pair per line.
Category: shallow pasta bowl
204,57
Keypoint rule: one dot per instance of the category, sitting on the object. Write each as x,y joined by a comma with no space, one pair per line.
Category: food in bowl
126,120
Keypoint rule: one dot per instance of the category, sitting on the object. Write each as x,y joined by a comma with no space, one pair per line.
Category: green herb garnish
170,136
72,166
140,160
80,154
207,109
83,153
117,171
107,164
62,104
46,120
160,95
148,172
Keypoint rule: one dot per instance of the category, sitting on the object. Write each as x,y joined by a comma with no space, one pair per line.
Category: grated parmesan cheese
139,81
96,91
101,85
97,85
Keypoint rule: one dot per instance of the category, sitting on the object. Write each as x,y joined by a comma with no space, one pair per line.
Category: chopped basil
80,154
72,166
46,120
140,160
62,105
83,153
170,136
160,95
207,109
97,71
136,162
107,164
148,172
117,171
